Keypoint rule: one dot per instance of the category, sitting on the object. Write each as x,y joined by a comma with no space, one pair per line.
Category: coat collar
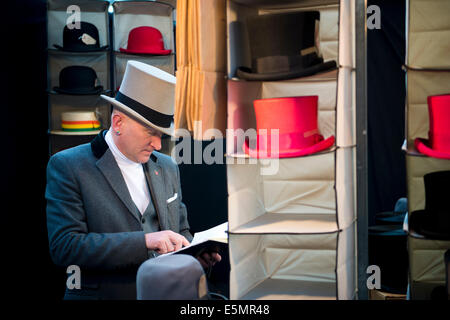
154,175
99,146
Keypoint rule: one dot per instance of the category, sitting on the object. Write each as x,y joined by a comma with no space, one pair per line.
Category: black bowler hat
78,80
434,221
81,40
282,46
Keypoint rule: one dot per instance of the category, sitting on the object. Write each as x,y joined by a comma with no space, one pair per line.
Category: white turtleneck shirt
133,174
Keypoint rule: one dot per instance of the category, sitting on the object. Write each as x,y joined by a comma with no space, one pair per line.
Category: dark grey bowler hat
282,46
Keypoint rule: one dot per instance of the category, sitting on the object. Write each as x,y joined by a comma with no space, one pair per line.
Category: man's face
137,141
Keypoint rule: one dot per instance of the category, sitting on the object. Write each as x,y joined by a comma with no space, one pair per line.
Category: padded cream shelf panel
282,266
292,195
347,34
417,166
426,265
95,12
99,61
238,44
420,85
166,63
428,38
64,103
346,108
131,14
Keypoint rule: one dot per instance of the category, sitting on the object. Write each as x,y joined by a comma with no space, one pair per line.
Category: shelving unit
114,20
428,73
95,12
131,14
292,232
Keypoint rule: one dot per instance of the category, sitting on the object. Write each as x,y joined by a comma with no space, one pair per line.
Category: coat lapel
108,166
155,179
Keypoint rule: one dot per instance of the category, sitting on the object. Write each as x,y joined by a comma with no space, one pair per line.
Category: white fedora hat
147,94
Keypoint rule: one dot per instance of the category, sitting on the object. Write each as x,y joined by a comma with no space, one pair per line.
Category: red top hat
145,40
438,143
296,119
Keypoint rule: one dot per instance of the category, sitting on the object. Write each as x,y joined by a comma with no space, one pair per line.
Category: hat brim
75,133
96,90
84,49
298,72
390,218
169,131
290,153
419,223
154,52
422,147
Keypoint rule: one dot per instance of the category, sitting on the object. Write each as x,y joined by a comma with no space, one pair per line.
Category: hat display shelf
60,139
98,83
65,13
131,15
292,220
78,67
426,264
427,69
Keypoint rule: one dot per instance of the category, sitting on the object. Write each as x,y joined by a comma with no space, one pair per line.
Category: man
116,202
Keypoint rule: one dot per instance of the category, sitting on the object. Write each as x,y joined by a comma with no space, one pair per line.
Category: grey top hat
172,277
147,94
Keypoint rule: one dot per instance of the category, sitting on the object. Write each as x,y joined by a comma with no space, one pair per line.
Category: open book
214,239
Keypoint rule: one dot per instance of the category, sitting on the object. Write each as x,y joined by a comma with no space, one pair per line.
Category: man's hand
165,241
208,259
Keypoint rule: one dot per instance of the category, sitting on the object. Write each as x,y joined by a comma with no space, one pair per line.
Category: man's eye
153,133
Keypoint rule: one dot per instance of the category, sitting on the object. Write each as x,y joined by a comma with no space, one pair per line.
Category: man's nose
156,142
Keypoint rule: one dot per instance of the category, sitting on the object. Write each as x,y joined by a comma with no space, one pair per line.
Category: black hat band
155,117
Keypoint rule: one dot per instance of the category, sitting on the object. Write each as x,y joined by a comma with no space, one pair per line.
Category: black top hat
81,40
78,80
434,221
282,46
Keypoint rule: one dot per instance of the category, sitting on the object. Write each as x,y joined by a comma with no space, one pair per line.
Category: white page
217,233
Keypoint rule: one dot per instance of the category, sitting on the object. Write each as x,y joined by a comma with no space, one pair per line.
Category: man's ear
117,121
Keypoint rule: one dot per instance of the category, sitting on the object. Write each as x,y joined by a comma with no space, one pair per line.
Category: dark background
386,108
28,265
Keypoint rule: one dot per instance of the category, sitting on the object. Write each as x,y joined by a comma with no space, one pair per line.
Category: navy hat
78,80
83,39
434,221
393,217
282,46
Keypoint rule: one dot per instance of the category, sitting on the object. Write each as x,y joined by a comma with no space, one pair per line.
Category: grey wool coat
93,223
